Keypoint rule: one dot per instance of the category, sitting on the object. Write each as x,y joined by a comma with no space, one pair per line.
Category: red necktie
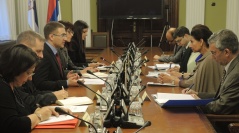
59,63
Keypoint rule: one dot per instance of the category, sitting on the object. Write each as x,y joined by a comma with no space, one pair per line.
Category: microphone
145,52
147,123
142,43
61,111
80,83
127,113
118,55
143,61
142,40
109,63
88,71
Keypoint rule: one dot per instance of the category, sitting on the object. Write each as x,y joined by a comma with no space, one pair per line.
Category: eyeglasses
70,31
179,40
30,74
170,41
61,35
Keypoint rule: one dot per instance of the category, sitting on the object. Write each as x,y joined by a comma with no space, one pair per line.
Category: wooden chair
234,119
100,39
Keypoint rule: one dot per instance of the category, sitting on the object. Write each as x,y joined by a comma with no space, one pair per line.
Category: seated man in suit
176,57
32,96
49,74
224,48
187,63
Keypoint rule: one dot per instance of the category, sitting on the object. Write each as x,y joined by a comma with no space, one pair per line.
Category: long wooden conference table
163,120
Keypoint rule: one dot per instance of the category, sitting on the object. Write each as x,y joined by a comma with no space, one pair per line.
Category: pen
38,105
62,88
170,65
190,87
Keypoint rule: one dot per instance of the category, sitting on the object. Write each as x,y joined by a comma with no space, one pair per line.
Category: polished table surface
163,120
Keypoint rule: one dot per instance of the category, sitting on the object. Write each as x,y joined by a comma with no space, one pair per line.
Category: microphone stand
126,123
80,83
147,123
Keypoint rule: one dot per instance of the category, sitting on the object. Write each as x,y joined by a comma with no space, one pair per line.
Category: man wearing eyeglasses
175,58
49,73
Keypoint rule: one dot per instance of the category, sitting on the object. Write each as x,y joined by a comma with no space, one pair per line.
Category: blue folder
187,103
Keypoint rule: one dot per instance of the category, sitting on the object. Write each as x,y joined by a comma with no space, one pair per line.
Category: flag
32,15
54,12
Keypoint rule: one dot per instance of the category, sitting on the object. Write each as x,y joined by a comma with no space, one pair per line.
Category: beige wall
66,10
215,16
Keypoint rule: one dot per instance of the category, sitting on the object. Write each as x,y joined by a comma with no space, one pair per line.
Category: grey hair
225,39
29,38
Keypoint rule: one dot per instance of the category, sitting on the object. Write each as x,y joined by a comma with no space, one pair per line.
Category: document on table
178,100
93,81
74,101
160,84
54,119
165,66
74,109
154,74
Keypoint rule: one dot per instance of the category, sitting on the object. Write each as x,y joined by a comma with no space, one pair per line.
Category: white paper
74,109
56,119
159,84
166,66
93,81
154,74
99,74
75,101
172,96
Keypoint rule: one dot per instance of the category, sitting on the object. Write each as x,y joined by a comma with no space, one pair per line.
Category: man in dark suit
176,56
224,48
49,74
28,91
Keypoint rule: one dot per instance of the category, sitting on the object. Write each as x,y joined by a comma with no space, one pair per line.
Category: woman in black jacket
76,49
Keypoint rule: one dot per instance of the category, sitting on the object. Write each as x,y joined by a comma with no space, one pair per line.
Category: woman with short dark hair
17,65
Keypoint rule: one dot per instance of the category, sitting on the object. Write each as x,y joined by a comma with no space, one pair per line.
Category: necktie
223,76
222,81
59,62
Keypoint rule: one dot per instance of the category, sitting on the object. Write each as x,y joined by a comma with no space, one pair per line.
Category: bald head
32,40
169,35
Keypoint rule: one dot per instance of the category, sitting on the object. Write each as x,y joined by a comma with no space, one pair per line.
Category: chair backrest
100,39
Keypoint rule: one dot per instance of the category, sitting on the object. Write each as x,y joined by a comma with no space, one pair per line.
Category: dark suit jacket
175,58
184,60
77,54
13,111
66,62
32,96
47,74
227,96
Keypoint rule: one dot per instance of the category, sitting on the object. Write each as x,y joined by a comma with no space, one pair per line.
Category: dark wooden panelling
133,30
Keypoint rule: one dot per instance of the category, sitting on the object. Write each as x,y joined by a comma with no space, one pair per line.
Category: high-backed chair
234,119
100,39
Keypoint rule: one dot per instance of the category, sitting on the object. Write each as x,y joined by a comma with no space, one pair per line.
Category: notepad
74,101
99,74
178,100
63,121
165,66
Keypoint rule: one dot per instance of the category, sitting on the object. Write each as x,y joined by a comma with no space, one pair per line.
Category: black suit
184,60
77,54
48,74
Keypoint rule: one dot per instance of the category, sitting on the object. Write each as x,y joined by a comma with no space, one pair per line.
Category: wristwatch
39,116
